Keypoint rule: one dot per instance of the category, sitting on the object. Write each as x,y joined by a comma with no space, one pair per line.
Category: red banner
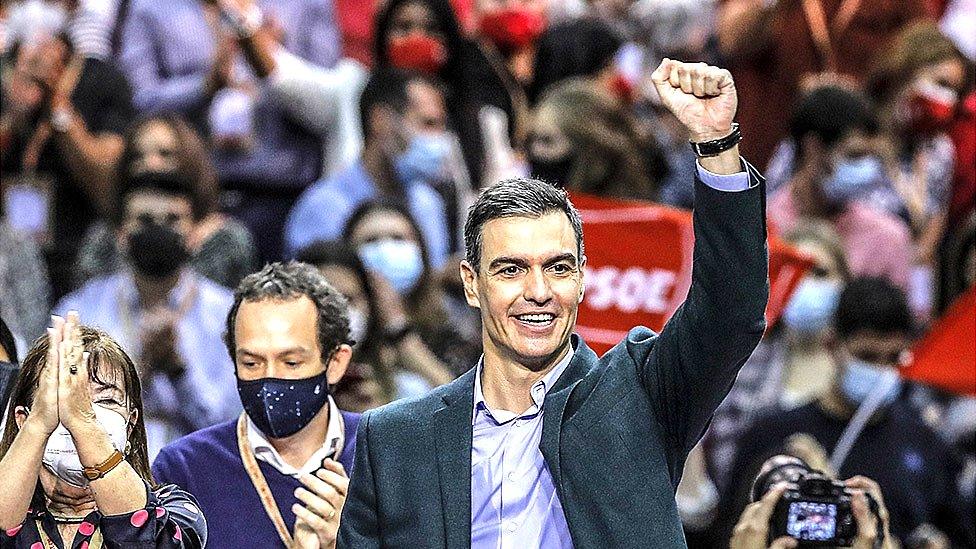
638,268
946,356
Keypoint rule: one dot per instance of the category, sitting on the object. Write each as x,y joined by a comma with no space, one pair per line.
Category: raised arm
690,367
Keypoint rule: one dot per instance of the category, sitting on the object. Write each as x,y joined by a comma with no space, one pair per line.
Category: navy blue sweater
208,465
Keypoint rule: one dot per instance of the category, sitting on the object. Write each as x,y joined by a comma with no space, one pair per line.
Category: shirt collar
537,392
334,437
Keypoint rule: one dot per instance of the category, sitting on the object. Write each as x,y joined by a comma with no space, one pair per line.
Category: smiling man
543,444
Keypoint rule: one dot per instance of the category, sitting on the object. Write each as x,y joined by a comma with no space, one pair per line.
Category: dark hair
830,113
447,24
387,86
191,156
870,303
337,252
107,361
7,342
517,197
288,281
168,183
582,47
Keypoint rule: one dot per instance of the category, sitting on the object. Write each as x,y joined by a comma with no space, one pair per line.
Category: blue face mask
399,261
853,179
861,378
812,305
425,158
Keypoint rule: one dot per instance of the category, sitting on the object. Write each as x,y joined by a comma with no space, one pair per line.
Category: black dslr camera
815,510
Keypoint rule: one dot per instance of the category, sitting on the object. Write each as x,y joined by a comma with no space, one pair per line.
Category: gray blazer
616,429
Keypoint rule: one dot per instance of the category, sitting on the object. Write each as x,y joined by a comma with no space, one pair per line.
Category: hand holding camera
795,505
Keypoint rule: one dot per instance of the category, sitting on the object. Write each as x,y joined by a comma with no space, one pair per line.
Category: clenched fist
702,97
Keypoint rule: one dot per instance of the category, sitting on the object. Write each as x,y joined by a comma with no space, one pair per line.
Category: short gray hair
517,197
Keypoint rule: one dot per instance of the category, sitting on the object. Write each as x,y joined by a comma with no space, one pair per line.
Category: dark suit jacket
616,429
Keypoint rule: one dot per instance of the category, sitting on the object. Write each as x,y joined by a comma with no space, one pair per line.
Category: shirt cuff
724,182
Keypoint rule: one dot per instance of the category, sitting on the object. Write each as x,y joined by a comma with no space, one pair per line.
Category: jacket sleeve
359,525
689,368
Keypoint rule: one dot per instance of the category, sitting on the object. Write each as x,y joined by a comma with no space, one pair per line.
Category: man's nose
537,288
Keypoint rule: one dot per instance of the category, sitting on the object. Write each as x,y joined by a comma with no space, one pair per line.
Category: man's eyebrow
506,260
569,257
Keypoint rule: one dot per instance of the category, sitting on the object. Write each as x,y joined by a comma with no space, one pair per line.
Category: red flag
946,356
638,260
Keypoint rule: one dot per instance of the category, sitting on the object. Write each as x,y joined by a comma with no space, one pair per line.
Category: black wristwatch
717,146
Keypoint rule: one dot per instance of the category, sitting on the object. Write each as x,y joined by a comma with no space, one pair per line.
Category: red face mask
512,29
418,52
931,108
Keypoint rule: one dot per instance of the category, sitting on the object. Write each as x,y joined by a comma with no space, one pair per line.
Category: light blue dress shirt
514,504
206,393
324,208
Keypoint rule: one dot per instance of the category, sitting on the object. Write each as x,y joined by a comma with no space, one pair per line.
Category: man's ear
469,278
338,364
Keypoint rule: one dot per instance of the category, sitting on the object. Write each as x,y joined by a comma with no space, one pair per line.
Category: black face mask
552,171
282,407
157,251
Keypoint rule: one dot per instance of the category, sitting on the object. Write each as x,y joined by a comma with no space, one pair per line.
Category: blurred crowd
154,152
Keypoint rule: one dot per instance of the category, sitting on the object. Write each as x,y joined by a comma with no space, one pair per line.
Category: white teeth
536,318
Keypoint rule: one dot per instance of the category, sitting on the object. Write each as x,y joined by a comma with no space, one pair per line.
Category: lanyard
95,543
260,483
817,19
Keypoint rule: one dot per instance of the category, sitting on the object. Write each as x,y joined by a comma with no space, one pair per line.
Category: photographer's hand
753,528
867,527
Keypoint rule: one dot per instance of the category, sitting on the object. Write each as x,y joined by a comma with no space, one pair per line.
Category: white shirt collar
334,437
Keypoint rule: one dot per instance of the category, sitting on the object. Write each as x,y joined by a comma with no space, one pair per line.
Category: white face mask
357,325
61,456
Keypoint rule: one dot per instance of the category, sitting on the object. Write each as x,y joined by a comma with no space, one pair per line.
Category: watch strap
103,468
717,146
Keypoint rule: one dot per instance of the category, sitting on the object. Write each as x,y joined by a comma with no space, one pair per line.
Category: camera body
816,512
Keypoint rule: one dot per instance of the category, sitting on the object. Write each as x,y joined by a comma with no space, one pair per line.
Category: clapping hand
321,501
702,97
74,390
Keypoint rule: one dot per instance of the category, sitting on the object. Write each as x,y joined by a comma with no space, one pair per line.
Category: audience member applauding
74,457
163,311
285,458
222,249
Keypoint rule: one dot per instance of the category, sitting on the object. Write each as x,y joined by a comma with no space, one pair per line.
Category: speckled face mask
282,407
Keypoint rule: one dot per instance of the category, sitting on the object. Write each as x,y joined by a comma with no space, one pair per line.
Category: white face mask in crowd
399,261
61,456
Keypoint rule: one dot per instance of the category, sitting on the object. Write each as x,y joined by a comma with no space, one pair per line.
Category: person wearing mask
792,365
222,248
285,458
863,425
541,443
917,84
183,56
74,455
163,311
484,104
379,371
406,151
61,128
584,140
435,336
509,30
837,165
774,46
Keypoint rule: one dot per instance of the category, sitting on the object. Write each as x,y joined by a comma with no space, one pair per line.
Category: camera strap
856,425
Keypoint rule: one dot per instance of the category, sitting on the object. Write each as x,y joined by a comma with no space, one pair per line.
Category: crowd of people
155,155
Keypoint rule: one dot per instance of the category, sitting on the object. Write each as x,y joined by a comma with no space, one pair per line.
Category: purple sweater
208,465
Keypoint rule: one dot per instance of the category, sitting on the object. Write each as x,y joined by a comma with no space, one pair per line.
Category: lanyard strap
260,483
817,20
95,543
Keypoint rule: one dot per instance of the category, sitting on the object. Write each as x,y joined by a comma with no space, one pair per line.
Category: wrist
710,134
34,426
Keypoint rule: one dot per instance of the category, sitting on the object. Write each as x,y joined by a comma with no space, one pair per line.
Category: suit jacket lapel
555,404
452,433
